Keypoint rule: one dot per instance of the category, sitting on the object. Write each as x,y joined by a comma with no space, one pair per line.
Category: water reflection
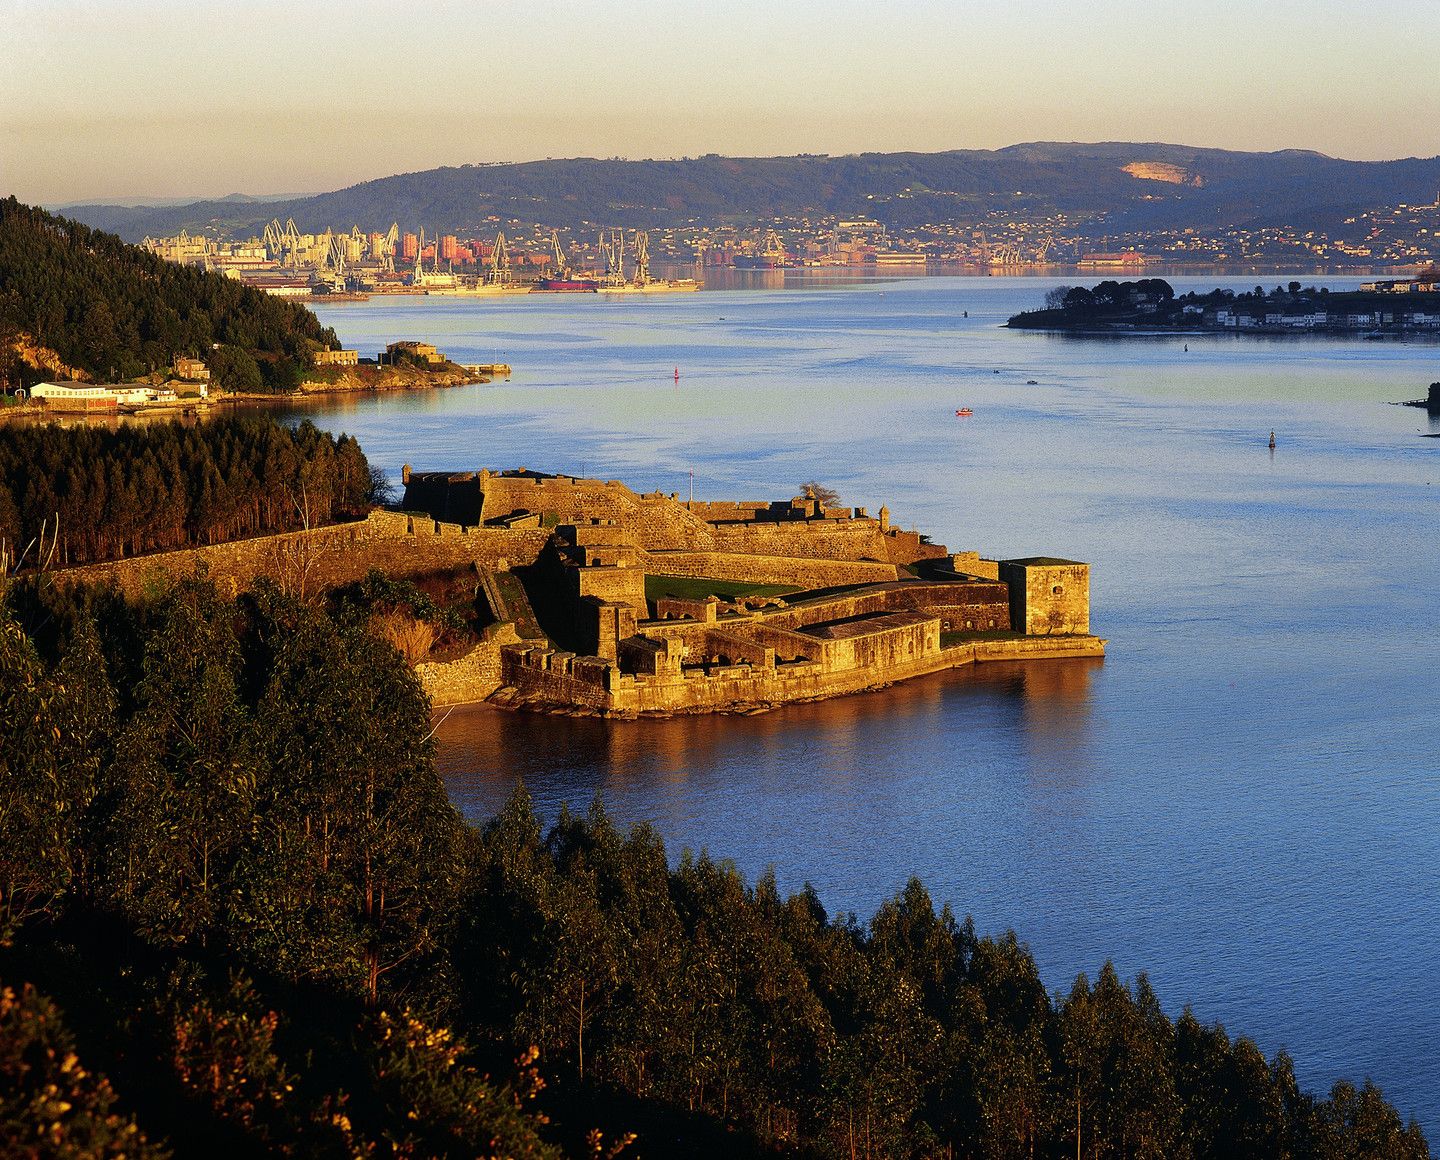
645,769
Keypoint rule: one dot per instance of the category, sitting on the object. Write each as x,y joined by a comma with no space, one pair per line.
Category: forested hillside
239,917
1137,186
102,494
116,312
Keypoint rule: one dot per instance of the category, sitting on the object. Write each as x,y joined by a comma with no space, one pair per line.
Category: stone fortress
602,604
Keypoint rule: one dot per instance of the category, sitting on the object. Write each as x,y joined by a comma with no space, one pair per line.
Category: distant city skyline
112,100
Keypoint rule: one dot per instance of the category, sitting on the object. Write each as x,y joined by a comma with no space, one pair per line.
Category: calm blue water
1242,799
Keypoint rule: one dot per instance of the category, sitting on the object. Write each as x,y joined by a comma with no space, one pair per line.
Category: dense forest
1219,187
100,494
238,914
116,312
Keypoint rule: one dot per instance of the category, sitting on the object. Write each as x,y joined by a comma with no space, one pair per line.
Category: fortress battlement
654,605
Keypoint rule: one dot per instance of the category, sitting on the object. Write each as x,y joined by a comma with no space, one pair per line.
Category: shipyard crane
335,254
1044,248
604,256
499,272
978,240
388,247
642,258
617,246
562,266
773,247
611,248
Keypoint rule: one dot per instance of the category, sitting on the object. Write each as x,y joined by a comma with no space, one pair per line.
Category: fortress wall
979,617
557,676
819,539
619,585
728,509
472,677
325,556
739,648
904,547
1037,648
571,500
980,602
454,495
1048,597
880,653
789,646
741,685
551,677
662,524
802,572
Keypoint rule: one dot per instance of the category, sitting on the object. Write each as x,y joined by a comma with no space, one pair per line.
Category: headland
594,599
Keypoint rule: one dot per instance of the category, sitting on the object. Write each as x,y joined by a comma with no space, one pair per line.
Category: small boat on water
964,413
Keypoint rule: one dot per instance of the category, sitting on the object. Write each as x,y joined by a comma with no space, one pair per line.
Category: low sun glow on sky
119,99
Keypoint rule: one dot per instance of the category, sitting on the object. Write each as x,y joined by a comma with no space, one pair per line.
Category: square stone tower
1048,596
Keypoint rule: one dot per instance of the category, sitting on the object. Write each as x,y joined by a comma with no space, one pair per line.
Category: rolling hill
1134,186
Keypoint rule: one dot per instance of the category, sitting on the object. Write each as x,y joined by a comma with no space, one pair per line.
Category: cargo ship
660,286
565,286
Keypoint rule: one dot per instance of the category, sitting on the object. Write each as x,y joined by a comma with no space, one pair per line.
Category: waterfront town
497,256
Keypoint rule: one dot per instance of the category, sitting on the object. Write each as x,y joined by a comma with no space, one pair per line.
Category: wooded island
1150,306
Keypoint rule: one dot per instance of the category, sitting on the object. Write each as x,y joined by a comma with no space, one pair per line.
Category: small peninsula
1151,306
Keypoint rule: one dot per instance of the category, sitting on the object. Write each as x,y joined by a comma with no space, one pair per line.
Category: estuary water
1242,799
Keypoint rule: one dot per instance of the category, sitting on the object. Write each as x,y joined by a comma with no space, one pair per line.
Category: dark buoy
1272,440
1187,348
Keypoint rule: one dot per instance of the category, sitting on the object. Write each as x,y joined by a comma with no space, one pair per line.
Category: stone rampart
568,500
736,648
801,572
558,677
397,543
850,539
472,677
550,680
955,603
883,644
712,510
663,524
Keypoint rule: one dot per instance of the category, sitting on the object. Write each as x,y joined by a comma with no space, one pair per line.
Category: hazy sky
134,98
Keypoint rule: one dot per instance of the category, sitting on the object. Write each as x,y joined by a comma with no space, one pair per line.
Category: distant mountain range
1130,186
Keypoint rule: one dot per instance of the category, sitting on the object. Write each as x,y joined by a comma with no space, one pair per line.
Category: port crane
557,252
281,241
499,269
642,258
334,254
611,252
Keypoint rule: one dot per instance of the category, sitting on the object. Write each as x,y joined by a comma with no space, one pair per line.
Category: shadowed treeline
238,912
108,494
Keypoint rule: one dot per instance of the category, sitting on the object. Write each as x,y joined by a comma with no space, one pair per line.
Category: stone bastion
650,605
603,600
